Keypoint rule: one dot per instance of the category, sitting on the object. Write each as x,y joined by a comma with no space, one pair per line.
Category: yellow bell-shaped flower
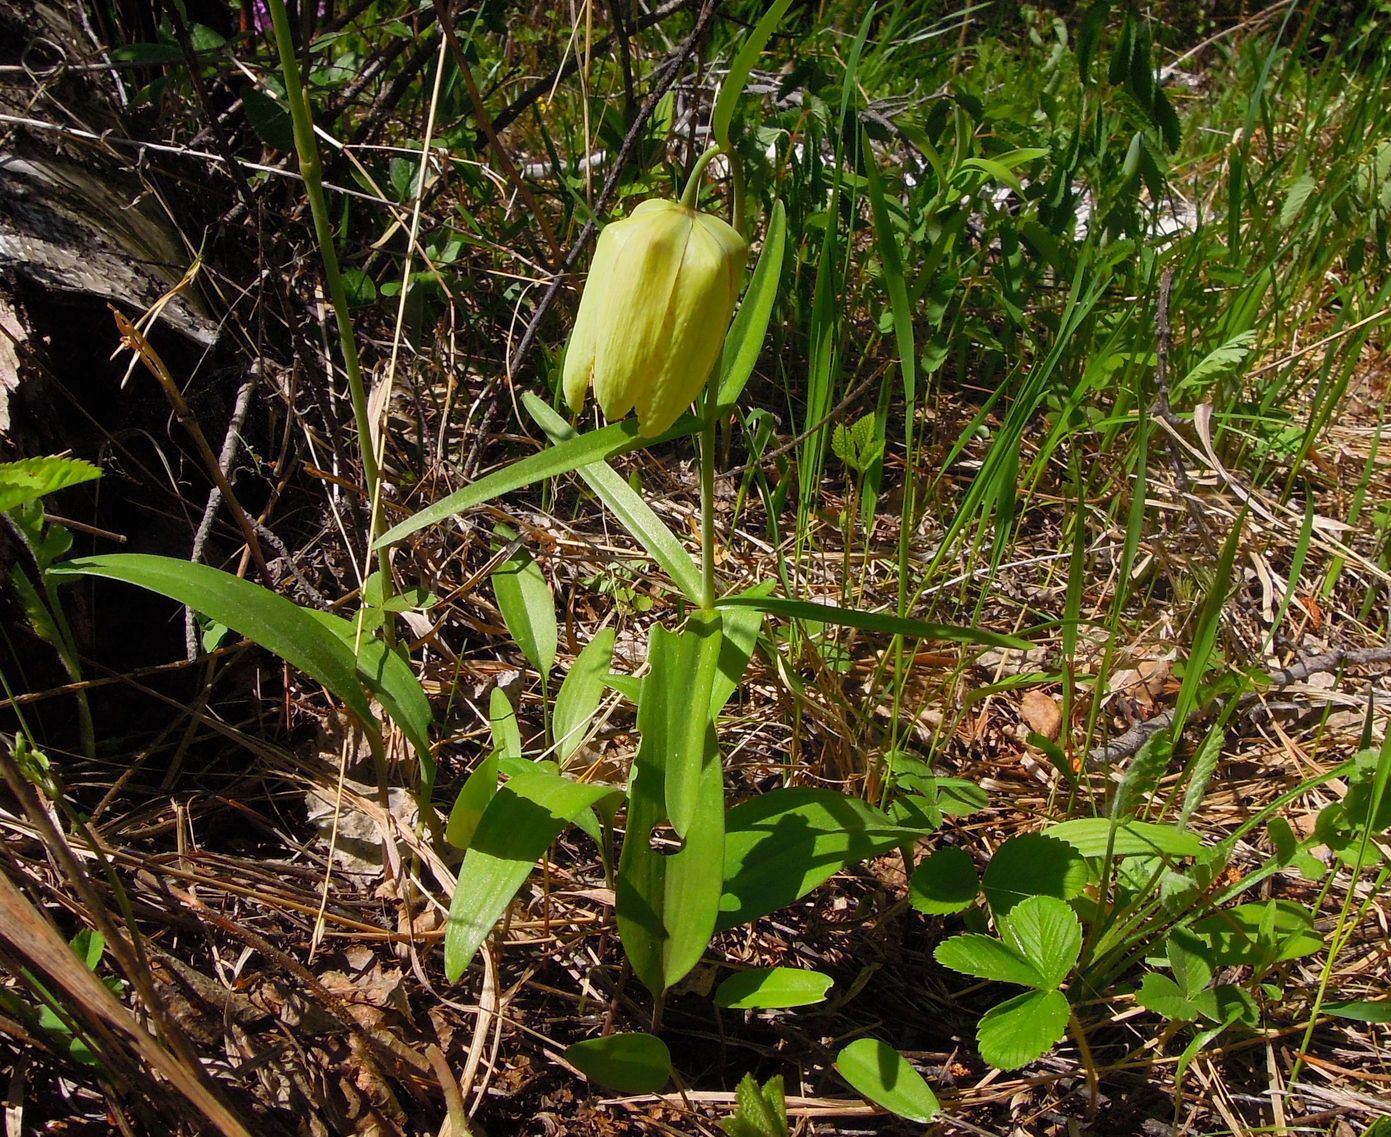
654,313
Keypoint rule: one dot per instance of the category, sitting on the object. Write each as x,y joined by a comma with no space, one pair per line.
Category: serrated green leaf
1022,1029
1192,970
1300,191
762,1110
985,957
30,479
1033,865
1160,994
1221,360
1045,931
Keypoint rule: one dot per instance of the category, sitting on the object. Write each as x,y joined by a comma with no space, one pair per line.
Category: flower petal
698,318
630,341
579,355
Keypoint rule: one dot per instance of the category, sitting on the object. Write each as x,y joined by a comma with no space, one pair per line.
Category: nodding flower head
654,312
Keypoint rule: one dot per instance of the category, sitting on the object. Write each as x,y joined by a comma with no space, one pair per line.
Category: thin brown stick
135,340
1127,744
485,124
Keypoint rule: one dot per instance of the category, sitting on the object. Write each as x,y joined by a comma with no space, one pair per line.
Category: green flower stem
311,170
736,181
691,194
707,495
690,198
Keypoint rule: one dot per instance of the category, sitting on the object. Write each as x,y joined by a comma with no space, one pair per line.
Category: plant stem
691,194
311,170
707,496
1084,1052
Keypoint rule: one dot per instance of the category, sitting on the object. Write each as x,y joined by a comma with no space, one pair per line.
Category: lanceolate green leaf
739,628
668,900
318,643
733,85
870,621
473,799
764,988
1093,837
746,335
782,844
632,512
686,700
279,625
522,819
528,609
576,451
580,694
502,723
388,675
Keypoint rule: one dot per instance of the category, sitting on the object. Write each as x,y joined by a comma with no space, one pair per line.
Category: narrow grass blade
1205,634
871,621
